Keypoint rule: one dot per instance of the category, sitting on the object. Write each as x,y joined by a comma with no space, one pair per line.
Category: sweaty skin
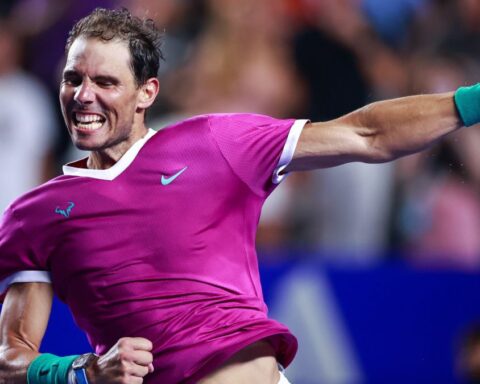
104,111
102,105
23,321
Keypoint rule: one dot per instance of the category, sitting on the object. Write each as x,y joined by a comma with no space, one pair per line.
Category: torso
255,364
173,261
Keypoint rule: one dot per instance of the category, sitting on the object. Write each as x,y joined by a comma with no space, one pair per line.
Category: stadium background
374,267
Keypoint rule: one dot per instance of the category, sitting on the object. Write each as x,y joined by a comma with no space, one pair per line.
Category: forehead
94,56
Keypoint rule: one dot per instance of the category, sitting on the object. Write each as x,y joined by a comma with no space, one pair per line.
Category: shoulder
29,203
240,119
221,130
220,119
212,124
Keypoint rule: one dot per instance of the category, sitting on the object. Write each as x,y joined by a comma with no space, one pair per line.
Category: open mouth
88,121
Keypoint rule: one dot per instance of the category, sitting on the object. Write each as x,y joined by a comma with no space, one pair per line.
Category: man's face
99,96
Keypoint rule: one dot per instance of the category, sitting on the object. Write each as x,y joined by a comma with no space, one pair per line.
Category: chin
88,144
85,147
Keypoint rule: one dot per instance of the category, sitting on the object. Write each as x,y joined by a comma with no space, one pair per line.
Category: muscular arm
378,132
23,321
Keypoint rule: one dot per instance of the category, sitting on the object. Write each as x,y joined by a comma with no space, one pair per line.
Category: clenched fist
127,362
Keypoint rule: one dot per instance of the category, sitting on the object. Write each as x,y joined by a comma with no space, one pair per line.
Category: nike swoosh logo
168,180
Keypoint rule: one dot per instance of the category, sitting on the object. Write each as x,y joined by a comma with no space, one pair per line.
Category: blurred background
376,268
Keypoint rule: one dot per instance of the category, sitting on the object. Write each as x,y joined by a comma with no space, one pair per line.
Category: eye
72,80
105,81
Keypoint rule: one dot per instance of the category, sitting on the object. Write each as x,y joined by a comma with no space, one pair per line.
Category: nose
84,94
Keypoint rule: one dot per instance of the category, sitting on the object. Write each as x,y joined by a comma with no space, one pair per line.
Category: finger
142,358
134,380
136,370
136,343
150,368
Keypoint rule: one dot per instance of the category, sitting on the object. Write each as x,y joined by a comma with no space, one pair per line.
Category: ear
148,93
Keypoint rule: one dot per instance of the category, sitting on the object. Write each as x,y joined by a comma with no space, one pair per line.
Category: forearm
398,127
14,363
23,320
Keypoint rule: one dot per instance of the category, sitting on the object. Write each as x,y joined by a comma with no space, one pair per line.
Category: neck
101,160
106,158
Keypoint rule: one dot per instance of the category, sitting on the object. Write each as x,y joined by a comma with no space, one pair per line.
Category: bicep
24,316
328,144
379,132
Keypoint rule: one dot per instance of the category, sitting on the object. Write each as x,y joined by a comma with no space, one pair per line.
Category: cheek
61,97
65,97
126,107
119,106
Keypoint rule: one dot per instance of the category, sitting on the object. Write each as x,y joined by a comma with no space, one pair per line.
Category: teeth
88,121
92,126
82,118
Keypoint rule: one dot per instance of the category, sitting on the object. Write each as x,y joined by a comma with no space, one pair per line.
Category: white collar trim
116,169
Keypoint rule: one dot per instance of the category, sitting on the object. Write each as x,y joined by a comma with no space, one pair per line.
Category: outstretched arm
23,321
379,132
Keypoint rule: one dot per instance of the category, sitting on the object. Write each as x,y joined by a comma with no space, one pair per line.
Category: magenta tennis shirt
162,244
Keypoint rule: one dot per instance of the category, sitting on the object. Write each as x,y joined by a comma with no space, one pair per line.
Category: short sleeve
18,262
256,147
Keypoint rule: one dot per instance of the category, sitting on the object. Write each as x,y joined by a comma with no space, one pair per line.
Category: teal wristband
467,100
49,369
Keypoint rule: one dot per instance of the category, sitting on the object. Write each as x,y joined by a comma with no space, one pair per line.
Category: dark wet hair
142,36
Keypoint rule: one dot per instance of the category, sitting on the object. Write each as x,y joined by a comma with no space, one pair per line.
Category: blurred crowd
315,59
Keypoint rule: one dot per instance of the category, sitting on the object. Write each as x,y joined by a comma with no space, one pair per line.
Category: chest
162,214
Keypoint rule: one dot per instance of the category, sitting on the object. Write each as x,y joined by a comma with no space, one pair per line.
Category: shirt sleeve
18,261
256,147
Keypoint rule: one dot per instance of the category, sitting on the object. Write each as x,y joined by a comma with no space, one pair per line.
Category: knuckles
121,363
124,343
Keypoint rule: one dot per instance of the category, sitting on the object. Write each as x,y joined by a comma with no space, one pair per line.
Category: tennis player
150,239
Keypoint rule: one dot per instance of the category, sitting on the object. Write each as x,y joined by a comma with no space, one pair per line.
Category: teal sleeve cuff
49,369
467,101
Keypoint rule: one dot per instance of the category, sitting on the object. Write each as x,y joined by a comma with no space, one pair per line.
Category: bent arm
379,132
23,321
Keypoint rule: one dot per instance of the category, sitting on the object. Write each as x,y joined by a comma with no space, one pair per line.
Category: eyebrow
69,73
112,79
106,78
